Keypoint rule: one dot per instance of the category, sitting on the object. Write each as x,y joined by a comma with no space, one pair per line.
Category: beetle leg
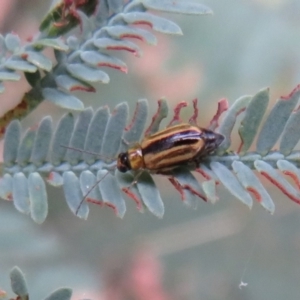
194,117
136,177
176,118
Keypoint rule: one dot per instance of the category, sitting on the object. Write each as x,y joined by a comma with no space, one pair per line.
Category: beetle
178,145
183,144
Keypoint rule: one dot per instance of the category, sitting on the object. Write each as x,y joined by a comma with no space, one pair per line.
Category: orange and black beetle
169,148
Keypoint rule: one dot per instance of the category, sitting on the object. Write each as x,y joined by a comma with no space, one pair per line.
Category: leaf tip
293,92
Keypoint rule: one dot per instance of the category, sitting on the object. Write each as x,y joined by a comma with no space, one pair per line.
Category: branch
101,135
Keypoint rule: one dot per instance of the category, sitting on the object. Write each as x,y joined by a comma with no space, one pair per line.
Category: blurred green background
189,254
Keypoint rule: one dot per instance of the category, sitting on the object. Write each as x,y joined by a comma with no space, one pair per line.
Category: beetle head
123,163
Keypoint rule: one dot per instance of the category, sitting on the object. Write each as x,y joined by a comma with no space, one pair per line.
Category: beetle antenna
85,196
88,152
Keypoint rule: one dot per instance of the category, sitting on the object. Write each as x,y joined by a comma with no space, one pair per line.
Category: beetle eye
123,164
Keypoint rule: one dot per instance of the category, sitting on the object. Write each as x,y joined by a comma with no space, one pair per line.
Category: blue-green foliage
101,135
80,60
19,287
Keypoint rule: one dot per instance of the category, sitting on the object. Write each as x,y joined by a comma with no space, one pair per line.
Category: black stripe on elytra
177,158
188,137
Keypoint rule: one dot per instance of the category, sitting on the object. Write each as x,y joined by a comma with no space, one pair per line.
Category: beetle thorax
135,157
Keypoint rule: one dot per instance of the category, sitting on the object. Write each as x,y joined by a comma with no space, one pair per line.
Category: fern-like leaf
80,61
82,65
102,135
19,287
26,58
18,283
